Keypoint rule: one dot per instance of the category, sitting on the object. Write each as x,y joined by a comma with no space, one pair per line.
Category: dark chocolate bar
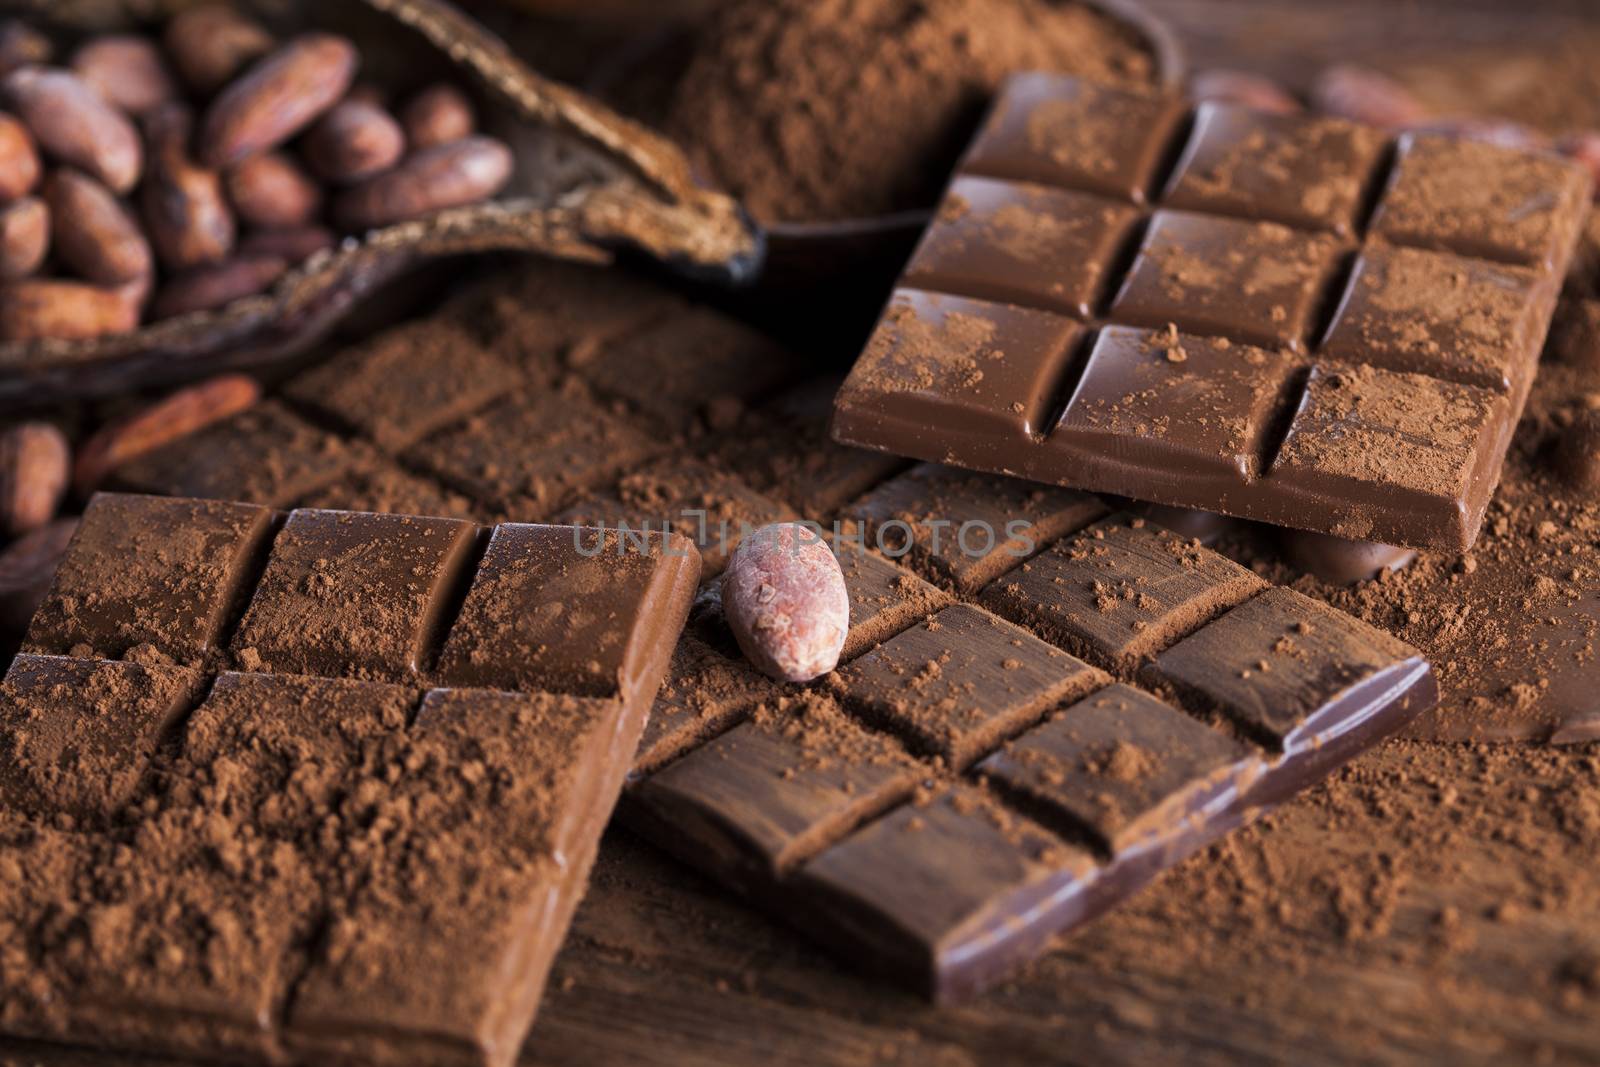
1283,318
322,787
980,775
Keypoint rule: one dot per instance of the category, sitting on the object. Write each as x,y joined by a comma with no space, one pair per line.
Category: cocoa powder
829,109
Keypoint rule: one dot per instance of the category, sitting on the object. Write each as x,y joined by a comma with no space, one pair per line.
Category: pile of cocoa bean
152,176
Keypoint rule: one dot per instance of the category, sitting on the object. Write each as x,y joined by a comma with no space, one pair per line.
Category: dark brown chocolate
1278,317
331,784
981,776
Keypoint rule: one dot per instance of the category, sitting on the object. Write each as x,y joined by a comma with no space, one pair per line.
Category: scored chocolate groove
1316,326
323,787
860,761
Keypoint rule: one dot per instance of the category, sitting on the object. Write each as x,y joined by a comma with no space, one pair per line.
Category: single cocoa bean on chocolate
127,71
24,237
1338,560
70,121
19,160
92,232
785,600
212,43
1365,95
213,287
184,206
1577,453
276,98
353,141
449,175
184,412
272,191
437,115
291,245
46,308
35,461
1245,89
21,45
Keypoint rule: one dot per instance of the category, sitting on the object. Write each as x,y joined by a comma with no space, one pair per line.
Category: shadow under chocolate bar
322,787
1286,318
1009,752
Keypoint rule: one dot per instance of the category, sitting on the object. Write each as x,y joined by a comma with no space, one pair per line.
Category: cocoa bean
354,141
272,191
786,602
184,412
71,122
19,160
185,209
1365,95
212,43
35,461
92,232
276,98
293,245
449,175
213,287
24,237
437,115
21,45
39,308
127,71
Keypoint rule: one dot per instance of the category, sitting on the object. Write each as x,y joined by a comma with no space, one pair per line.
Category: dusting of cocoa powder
829,109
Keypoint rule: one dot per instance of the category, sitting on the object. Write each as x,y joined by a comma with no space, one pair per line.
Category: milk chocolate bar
1293,319
318,787
1012,746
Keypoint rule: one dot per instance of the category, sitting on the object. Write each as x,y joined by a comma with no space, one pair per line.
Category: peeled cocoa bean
19,160
209,288
24,237
786,602
212,43
272,191
92,232
35,461
40,308
354,141
127,71
293,246
449,175
185,209
71,122
276,99
437,115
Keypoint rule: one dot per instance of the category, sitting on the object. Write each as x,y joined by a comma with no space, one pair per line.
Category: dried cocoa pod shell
437,115
212,43
353,141
184,412
273,191
35,461
276,98
92,232
185,209
24,237
70,121
445,176
127,70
